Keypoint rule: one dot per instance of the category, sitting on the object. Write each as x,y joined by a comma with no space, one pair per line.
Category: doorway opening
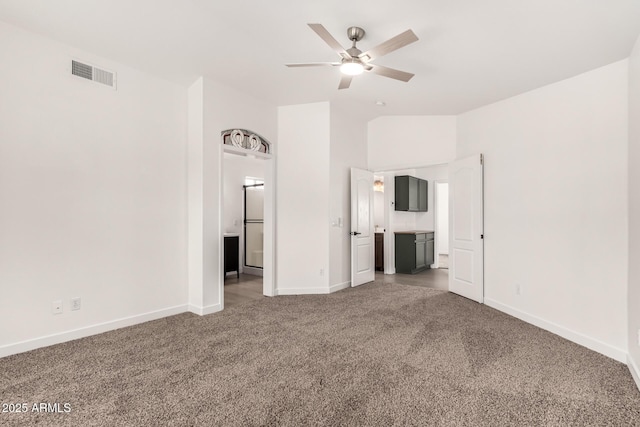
243,222
442,224
415,234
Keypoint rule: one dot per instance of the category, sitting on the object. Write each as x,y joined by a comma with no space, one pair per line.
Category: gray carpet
380,354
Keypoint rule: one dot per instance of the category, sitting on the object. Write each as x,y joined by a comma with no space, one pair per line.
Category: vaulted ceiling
470,52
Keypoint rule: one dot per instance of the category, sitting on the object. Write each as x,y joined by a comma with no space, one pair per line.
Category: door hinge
482,159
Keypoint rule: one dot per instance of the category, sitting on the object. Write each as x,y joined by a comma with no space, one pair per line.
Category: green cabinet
411,194
414,251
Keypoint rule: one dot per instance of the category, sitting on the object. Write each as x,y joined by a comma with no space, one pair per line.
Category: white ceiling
470,52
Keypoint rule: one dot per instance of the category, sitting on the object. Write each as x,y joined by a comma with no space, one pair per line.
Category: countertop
414,232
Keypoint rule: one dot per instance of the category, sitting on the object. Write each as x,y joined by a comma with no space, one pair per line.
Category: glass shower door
253,225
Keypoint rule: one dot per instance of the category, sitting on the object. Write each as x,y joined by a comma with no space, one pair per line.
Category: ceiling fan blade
314,64
328,39
345,81
389,46
390,72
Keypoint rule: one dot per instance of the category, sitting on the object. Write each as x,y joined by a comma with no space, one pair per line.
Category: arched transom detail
247,140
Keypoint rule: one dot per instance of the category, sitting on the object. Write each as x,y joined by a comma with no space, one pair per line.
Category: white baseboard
633,368
302,291
47,340
203,311
576,337
313,291
339,287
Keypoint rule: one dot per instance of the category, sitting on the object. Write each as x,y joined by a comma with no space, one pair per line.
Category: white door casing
269,245
466,228
362,236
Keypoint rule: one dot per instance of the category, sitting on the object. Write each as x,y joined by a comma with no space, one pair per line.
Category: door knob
355,233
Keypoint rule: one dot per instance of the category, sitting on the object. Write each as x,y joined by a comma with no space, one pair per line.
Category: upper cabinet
411,194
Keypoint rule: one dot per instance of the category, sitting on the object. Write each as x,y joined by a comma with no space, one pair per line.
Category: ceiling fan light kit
354,61
351,68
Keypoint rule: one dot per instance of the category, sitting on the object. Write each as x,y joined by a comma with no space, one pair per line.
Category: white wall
302,198
378,208
442,218
633,297
195,191
93,194
402,142
348,149
556,205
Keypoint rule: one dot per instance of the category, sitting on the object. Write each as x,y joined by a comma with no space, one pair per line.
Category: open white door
362,243
466,228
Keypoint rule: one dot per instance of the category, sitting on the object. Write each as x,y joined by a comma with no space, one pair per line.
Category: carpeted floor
380,354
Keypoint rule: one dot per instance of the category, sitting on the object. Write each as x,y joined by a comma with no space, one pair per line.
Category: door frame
268,277
436,217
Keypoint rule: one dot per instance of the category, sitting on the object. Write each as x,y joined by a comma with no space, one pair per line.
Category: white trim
245,152
314,291
576,337
633,368
268,271
74,334
339,287
303,291
203,311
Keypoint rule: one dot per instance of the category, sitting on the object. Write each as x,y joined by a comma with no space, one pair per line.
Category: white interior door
466,245
362,237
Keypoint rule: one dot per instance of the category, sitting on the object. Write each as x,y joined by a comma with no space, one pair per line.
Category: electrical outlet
56,307
518,289
322,272
75,304
638,336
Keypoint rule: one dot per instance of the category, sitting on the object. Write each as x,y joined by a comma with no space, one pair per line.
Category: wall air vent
92,73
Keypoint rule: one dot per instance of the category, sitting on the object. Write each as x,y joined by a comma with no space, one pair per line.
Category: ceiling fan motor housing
355,34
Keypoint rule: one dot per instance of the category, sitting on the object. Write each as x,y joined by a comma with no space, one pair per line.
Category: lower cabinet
231,255
379,251
414,252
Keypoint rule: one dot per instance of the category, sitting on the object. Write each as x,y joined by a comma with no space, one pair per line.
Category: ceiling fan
354,61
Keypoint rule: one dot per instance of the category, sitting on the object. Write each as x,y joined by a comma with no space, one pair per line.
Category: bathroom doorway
243,221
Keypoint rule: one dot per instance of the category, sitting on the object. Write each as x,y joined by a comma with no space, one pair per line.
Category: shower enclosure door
253,225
